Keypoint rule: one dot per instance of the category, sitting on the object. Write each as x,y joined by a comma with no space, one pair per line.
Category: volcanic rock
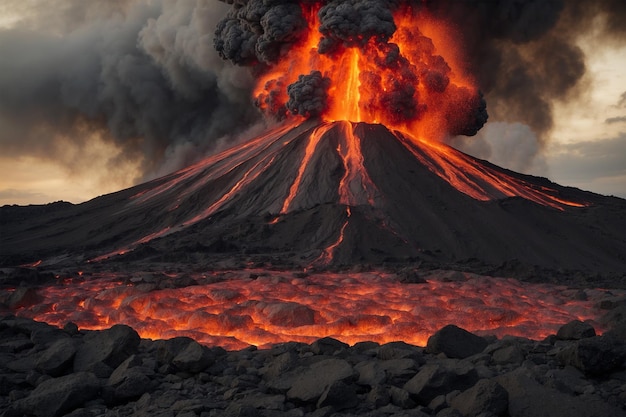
23,297
58,396
339,395
130,380
575,330
528,398
194,358
106,350
455,342
438,379
256,381
311,384
57,360
595,355
327,346
486,396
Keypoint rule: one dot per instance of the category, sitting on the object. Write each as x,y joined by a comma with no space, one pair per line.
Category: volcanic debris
46,372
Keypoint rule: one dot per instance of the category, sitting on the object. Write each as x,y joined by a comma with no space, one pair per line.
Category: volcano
328,195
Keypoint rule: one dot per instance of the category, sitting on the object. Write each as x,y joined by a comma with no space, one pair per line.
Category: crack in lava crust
256,307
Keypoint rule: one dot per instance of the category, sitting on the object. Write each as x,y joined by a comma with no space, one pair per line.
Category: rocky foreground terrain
46,371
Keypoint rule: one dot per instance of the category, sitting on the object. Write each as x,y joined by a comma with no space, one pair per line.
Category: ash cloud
308,96
524,53
254,31
353,23
143,75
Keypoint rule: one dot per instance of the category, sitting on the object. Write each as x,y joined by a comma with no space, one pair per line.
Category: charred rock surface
298,197
41,374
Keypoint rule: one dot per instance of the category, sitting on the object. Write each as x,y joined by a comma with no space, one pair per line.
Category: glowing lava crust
234,309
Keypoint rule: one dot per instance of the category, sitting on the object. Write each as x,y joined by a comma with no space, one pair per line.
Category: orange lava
356,186
314,139
415,82
257,307
483,184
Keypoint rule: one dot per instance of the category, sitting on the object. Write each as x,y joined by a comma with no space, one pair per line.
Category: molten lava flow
277,307
314,140
480,182
355,186
327,255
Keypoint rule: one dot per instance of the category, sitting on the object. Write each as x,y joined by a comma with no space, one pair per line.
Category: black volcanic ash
308,96
354,23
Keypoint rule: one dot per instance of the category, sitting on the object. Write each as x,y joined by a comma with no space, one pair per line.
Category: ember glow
411,81
257,307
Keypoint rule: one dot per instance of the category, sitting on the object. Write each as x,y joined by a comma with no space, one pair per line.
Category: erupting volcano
353,173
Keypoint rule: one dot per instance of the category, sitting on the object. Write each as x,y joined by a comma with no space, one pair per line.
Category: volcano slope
331,195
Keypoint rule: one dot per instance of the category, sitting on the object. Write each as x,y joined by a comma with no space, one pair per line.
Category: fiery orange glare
414,82
278,307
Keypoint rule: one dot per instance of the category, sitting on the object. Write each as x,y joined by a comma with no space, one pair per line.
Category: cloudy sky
96,96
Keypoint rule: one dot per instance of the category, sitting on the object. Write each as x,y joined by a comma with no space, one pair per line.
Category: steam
141,75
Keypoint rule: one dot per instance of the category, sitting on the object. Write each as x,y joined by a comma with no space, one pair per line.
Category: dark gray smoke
143,75
349,23
309,95
254,31
523,53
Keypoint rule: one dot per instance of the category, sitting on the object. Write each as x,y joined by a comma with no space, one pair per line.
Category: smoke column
143,75
522,53
157,78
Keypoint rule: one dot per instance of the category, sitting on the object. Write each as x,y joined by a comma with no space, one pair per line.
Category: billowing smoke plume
309,95
354,23
522,53
153,77
141,74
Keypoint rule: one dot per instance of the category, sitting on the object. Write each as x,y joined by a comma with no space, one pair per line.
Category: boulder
379,396
59,396
339,395
289,314
23,297
312,382
485,396
528,398
58,358
108,347
328,346
511,354
575,330
455,342
194,358
594,355
438,379
129,381
167,350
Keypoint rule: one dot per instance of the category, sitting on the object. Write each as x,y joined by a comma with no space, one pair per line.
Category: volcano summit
332,194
